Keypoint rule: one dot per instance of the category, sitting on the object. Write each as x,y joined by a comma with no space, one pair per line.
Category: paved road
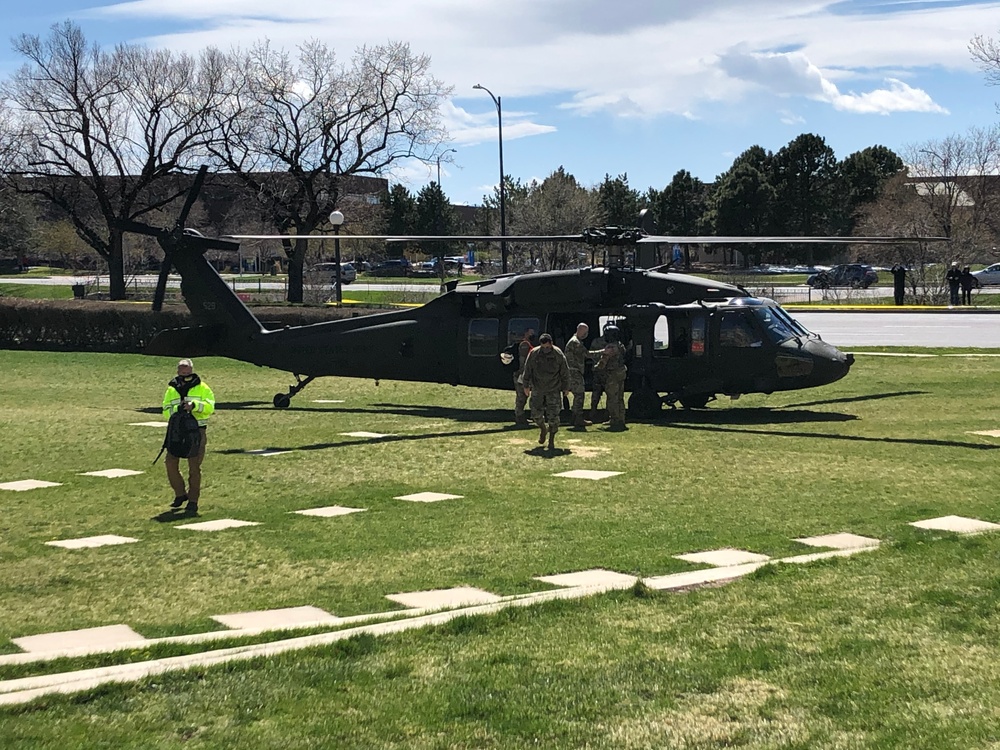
944,328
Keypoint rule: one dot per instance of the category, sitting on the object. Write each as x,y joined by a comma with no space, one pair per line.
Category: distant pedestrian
968,281
546,381
954,279
520,400
898,283
189,392
576,359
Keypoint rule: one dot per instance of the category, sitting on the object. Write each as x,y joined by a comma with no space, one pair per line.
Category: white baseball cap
186,363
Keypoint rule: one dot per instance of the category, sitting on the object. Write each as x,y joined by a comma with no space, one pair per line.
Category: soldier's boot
543,431
617,427
521,422
552,441
580,424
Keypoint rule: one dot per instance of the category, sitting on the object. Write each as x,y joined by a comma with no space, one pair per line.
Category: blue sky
640,87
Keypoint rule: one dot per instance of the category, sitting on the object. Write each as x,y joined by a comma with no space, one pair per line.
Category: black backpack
183,438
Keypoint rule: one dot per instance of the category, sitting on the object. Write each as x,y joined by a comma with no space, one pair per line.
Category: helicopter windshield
779,328
793,323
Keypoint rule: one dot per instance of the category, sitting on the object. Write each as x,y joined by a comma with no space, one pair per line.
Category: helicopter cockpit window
484,337
737,330
778,330
517,326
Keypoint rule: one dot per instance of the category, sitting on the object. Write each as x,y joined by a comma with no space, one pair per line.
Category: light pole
503,192
337,218
449,151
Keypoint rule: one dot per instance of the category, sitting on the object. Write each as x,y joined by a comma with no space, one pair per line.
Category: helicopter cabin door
739,351
679,349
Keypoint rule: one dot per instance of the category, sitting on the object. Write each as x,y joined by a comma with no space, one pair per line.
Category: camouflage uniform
613,364
576,359
598,379
546,375
520,400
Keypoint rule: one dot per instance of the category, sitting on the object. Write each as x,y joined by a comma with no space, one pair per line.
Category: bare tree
986,52
95,132
955,180
296,127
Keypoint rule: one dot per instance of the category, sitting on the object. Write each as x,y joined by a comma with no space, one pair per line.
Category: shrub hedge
120,327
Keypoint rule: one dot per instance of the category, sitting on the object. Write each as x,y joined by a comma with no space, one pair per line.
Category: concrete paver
723,557
22,485
592,577
273,619
587,474
460,596
839,541
112,473
363,434
427,497
222,523
103,540
329,511
96,638
958,524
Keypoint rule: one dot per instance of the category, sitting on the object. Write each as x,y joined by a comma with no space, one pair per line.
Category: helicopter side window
484,337
517,326
661,335
737,331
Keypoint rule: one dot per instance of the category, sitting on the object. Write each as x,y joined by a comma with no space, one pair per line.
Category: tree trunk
295,263
116,265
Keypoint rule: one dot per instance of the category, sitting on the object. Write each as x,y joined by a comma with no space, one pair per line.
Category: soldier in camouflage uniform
520,400
576,358
546,379
612,363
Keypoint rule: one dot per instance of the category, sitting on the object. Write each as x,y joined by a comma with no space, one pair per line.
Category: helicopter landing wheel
698,401
284,400
644,404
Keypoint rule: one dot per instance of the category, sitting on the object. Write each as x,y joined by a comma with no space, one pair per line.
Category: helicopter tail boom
223,324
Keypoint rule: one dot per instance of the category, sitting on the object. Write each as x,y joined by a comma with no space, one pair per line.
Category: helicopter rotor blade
192,194
130,225
161,283
679,240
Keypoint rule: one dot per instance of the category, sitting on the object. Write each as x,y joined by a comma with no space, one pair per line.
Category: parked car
328,271
988,276
392,267
854,275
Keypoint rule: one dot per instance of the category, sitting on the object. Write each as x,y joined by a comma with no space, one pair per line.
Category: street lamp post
337,218
449,151
503,192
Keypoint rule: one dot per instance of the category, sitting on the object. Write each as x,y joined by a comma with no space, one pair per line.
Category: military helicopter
689,338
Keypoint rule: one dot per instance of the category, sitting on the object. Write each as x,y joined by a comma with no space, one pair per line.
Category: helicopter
689,339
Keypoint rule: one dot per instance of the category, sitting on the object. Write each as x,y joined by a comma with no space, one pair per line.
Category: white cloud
789,74
631,59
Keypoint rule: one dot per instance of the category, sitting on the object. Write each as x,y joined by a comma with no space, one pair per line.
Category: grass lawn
892,648
36,291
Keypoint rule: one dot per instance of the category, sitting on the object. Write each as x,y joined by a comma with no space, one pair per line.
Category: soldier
612,362
576,359
520,400
546,380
